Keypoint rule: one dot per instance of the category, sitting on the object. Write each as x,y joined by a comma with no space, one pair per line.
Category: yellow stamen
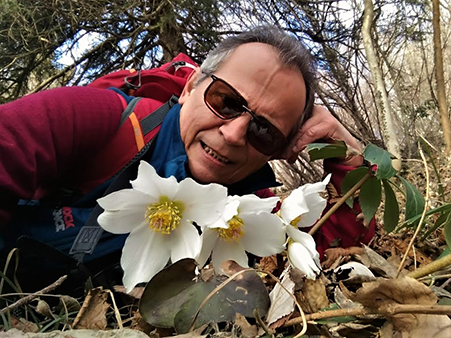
165,215
235,230
296,221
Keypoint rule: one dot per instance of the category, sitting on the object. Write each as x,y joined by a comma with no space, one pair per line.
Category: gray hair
291,51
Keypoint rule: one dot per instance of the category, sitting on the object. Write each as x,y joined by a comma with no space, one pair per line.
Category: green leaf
391,212
442,208
318,151
174,295
370,197
382,158
414,200
447,228
350,180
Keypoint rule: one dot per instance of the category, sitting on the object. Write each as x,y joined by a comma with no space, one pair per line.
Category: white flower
302,208
302,252
246,225
304,205
158,213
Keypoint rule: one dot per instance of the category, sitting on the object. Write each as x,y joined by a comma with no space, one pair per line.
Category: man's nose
234,131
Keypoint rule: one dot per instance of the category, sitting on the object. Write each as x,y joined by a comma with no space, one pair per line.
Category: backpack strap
90,233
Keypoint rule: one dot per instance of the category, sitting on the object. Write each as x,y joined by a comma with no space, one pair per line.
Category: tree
382,99
441,95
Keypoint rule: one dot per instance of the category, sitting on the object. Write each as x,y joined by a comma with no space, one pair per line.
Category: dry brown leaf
268,264
382,294
376,262
312,296
136,293
332,254
44,309
23,325
247,330
92,314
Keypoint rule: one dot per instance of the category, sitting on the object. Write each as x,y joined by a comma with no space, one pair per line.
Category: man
251,101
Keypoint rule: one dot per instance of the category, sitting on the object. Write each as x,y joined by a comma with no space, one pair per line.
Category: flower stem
342,200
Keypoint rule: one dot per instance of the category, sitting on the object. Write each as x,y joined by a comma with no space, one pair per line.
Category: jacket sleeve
45,137
343,228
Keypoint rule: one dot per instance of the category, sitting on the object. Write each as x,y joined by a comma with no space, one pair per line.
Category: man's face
218,150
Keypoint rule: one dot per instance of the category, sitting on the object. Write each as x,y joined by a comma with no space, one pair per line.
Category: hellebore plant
302,208
165,218
159,214
247,224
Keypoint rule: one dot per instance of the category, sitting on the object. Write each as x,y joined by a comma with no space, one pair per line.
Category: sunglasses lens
264,137
225,102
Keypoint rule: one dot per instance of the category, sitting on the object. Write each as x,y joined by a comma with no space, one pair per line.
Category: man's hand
322,127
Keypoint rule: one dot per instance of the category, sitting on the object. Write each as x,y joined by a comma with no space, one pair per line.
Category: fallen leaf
92,314
376,262
382,294
332,254
23,325
44,309
247,330
312,296
282,302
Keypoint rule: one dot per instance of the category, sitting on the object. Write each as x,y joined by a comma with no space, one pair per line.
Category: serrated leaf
350,180
370,197
383,160
414,200
391,211
173,296
319,151
447,228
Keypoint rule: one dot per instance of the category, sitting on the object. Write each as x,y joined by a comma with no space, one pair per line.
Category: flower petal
204,204
316,205
121,221
150,183
300,258
264,234
184,241
125,199
305,239
293,206
145,253
209,238
230,210
252,204
228,251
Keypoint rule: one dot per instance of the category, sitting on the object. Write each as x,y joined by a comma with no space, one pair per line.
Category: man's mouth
215,155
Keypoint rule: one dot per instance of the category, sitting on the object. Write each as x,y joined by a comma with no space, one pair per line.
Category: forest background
383,65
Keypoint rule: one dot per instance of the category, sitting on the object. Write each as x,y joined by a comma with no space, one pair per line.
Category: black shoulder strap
90,233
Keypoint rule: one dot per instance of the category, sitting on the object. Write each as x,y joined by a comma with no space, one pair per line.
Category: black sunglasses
226,103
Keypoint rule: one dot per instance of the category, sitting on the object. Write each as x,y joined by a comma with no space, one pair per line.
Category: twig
423,215
341,201
432,267
389,310
29,298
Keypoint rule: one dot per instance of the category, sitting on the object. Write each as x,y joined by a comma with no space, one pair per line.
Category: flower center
296,221
165,215
235,230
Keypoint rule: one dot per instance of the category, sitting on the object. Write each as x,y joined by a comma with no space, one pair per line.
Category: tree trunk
441,96
382,100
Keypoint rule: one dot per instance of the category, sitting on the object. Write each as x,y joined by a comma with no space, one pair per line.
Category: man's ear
190,85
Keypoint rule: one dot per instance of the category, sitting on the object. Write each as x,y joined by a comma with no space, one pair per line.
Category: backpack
158,90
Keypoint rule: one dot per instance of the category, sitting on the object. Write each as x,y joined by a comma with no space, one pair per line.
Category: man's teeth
216,156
